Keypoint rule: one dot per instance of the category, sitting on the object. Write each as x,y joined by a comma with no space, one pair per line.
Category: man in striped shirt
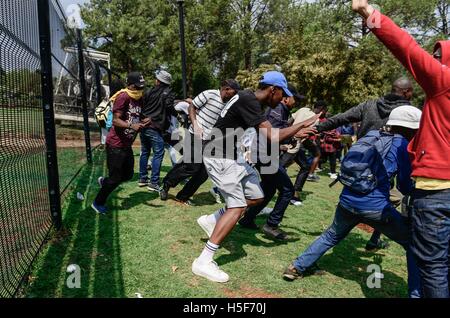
203,113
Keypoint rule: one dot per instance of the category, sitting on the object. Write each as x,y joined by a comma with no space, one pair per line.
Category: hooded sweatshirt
372,114
430,149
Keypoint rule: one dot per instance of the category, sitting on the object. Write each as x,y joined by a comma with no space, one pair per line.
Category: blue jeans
389,222
151,139
430,240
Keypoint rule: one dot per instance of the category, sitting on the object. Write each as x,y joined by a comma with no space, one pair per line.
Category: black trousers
300,158
120,163
184,170
332,157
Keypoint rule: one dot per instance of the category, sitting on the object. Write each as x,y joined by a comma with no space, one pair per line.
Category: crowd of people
244,141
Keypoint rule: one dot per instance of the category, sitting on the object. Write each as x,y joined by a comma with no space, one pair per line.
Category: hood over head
445,47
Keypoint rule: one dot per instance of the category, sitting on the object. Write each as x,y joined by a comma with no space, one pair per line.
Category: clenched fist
362,7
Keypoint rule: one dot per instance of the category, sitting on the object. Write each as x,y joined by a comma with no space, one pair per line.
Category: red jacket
430,149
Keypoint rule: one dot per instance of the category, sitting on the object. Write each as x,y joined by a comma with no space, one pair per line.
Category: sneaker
205,225
185,202
265,211
248,225
296,202
143,183
333,176
318,170
100,209
216,195
274,232
164,193
291,273
153,187
370,246
210,271
100,181
313,178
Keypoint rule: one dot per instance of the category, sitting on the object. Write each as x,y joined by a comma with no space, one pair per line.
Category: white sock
215,217
208,253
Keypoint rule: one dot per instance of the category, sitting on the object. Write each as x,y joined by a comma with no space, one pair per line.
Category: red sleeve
429,73
121,103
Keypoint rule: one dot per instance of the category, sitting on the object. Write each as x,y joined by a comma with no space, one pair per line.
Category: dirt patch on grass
249,292
365,228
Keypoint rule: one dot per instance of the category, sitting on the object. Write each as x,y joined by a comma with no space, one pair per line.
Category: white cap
405,116
164,77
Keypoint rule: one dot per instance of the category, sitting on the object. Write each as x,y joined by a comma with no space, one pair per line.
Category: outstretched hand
306,132
362,7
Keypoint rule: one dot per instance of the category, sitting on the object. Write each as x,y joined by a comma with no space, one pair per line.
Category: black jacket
158,104
372,114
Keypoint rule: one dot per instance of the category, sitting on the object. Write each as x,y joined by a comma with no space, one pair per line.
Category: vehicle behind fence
35,132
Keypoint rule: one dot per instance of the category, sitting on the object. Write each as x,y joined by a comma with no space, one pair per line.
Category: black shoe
164,193
248,224
274,232
371,246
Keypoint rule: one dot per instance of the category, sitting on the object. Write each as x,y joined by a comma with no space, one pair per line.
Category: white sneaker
266,211
210,271
333,176
296,203
216,196
206,225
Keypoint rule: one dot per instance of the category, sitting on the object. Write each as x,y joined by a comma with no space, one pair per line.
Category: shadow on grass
240,237
350,263
91,241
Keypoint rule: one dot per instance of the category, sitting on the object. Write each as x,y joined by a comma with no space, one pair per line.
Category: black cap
295,93
231,83
136,79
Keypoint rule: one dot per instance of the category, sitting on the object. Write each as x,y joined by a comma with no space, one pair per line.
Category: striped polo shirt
209,105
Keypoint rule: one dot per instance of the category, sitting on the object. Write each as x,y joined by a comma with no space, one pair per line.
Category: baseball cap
231,83
295,92
164,77
275,78
405,116
136,79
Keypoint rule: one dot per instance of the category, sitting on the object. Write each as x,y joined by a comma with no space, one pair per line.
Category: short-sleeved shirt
241,112
209,105
130,110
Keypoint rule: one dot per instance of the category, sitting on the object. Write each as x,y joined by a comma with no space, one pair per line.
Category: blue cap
275,78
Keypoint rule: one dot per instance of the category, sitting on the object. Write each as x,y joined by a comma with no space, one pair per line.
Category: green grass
147,246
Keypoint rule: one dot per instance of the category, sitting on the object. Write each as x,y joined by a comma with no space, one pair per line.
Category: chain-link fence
40,64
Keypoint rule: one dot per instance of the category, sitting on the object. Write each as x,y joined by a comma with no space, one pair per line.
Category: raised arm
429,73
352,115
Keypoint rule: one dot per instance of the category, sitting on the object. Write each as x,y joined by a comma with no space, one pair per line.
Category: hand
306,132
198,130
188,100
311,121
146,122
362,7
137,127
284,147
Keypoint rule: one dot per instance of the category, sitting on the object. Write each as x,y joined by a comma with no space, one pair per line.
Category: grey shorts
237,182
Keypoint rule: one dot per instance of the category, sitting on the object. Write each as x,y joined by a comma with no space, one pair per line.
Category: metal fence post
48,111
81,75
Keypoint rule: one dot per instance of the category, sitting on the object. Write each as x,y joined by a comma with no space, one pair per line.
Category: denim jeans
151,139
430,240
300,158
270,183
389,222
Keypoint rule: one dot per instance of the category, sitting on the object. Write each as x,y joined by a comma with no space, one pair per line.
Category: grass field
147,246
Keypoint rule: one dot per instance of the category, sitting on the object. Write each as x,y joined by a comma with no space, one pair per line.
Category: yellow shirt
432,184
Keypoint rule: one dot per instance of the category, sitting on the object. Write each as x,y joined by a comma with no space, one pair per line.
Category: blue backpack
362,168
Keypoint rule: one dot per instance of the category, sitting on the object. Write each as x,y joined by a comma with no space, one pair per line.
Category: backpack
102,111
362,168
